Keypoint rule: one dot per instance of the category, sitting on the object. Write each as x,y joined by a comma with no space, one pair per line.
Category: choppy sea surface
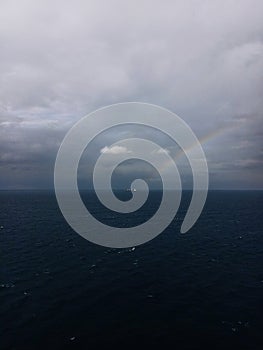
199,290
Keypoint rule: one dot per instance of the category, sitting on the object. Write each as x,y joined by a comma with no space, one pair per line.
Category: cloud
61,60
115,150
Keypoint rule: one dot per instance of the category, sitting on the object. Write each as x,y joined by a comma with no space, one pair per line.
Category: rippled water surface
203,289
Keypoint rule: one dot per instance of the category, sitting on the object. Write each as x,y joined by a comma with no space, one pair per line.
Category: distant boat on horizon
131,190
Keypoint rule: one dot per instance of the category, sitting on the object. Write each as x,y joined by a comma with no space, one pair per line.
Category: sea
198,290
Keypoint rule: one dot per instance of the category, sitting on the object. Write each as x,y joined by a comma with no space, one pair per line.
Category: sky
60,60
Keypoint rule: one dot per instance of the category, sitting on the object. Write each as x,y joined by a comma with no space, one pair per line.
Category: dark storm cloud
60,60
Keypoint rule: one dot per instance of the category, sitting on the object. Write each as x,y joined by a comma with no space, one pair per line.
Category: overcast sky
60,60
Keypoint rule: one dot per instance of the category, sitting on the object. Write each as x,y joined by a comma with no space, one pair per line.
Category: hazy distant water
200,290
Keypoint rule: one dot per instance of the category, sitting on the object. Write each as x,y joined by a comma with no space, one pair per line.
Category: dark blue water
200,290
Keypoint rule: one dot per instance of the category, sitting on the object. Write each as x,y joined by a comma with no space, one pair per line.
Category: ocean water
200,290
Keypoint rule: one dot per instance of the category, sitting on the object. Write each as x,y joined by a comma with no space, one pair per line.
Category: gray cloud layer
60,60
